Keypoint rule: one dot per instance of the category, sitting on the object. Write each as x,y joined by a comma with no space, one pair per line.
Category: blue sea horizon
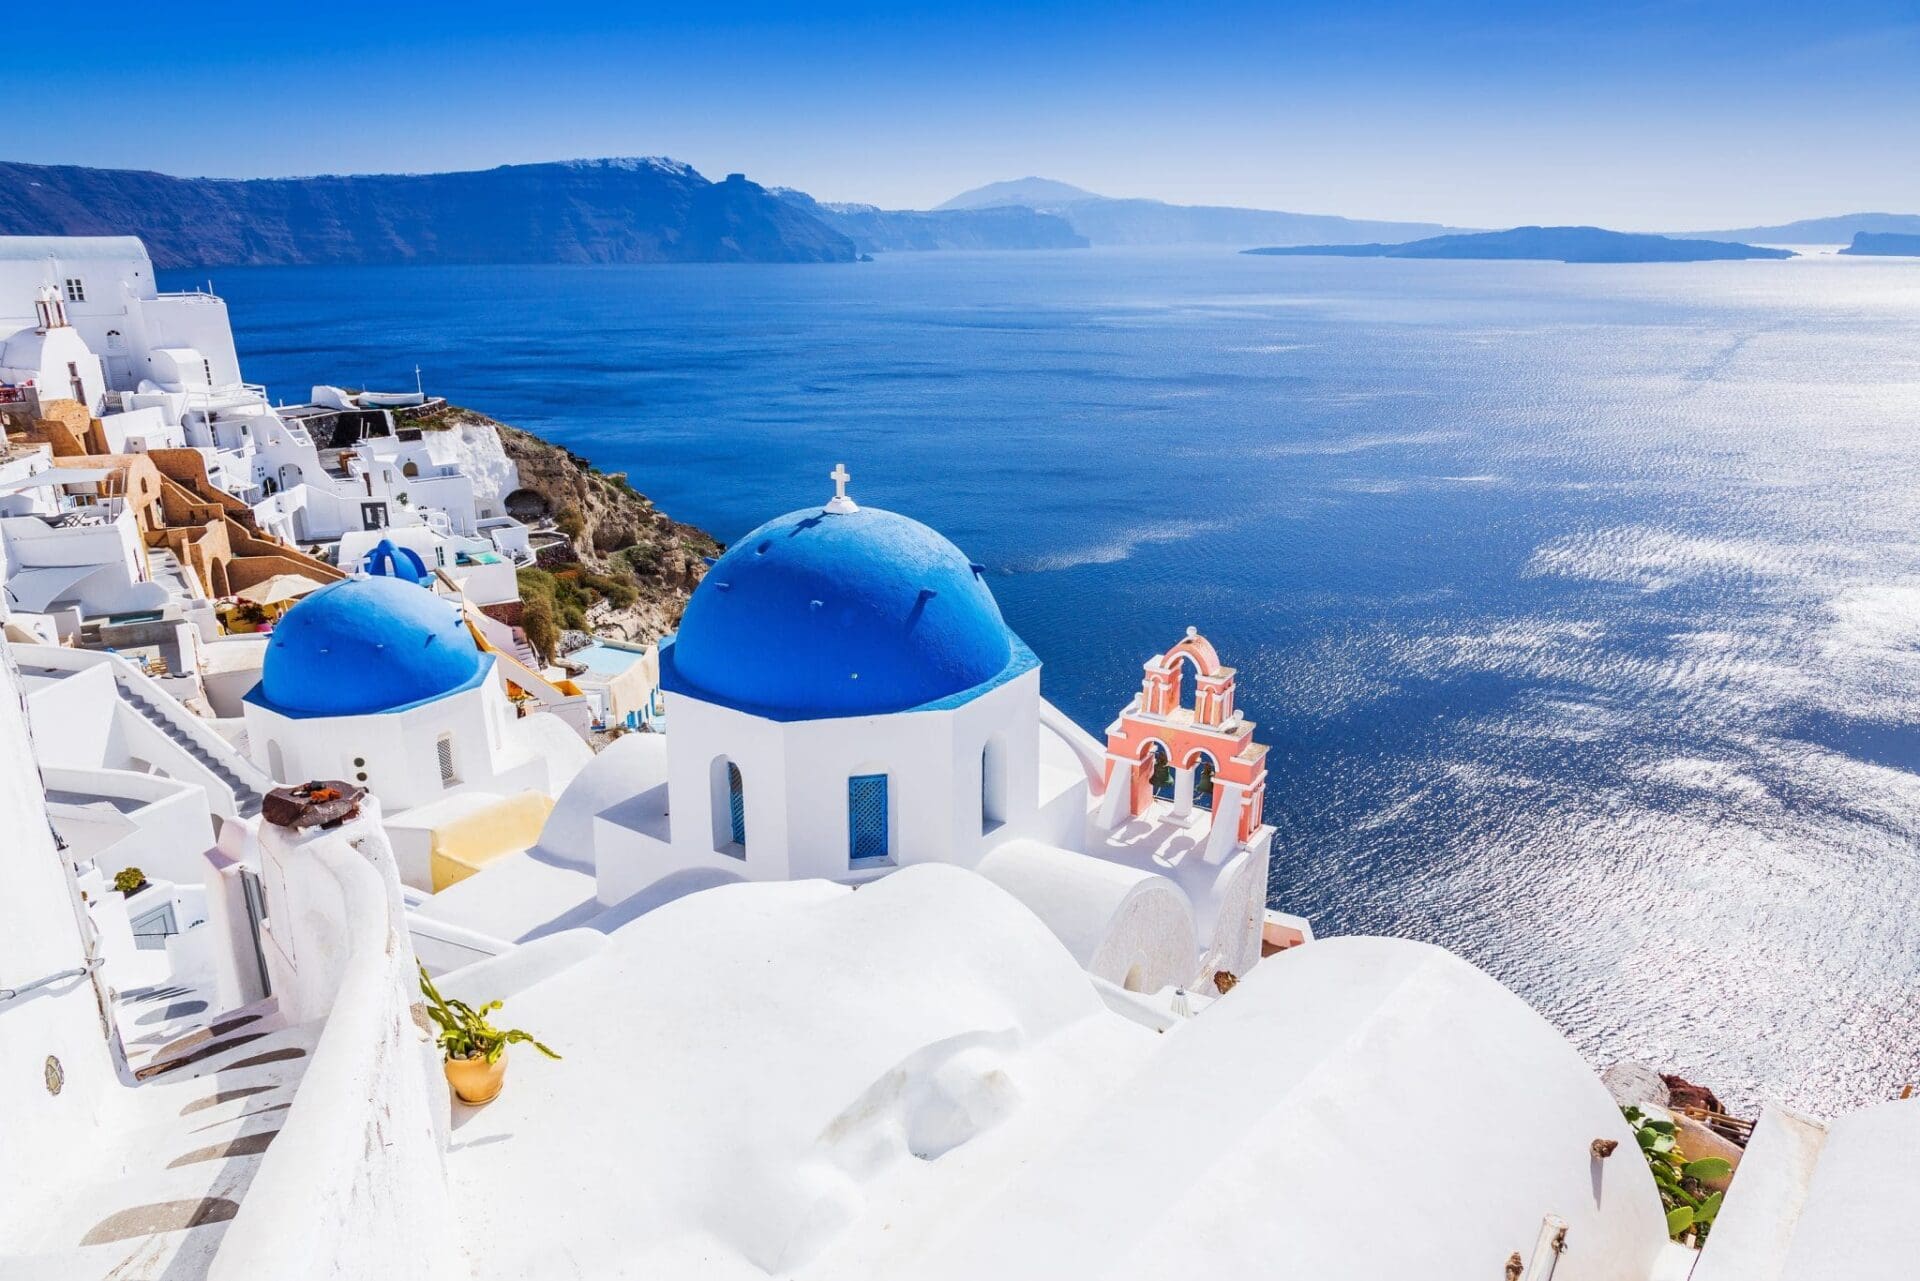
1580,605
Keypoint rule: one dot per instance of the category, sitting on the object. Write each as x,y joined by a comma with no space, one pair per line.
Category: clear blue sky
1655,116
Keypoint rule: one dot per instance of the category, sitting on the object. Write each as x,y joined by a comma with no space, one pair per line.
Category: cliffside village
849,954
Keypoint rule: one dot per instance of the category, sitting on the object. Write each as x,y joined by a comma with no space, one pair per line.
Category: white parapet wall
354,1186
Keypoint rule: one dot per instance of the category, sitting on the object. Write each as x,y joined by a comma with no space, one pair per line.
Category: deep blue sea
1580,604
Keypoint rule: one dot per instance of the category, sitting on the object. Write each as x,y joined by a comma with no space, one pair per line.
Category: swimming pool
605,659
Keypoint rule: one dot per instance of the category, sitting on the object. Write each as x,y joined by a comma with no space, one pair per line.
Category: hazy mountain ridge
1034,193
877,230
1837,230
1108,220
583,211
1551,244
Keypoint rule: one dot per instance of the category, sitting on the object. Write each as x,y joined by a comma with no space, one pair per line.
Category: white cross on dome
840,504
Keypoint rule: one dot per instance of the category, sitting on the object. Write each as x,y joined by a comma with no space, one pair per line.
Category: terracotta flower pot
476,1081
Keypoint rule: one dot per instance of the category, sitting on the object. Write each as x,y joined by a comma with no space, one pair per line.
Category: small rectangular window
867,817
445,746
76,289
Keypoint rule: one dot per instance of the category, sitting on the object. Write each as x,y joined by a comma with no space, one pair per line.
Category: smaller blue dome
367,645
395,562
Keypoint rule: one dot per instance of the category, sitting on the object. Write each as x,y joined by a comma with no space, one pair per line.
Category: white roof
914,1080
32,590
75,248
787,1059
1858,1220
53,476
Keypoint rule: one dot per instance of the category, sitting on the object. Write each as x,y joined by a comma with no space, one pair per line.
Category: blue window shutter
867,817
736,804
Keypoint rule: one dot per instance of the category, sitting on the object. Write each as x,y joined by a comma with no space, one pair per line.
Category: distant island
1549,244
1885,244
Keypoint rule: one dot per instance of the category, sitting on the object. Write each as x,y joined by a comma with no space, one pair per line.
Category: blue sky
1654,117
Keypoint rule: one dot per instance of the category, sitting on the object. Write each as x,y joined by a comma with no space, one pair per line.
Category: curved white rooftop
917,1079
71,248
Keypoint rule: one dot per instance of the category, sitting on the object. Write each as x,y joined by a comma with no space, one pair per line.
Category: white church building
844,699
378,681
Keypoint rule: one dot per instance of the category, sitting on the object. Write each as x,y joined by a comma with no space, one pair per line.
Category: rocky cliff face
611,558
585,211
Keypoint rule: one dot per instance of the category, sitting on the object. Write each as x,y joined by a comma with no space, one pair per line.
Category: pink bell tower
1212,731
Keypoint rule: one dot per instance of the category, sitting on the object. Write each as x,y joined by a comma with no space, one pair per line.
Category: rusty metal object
317,803
1224,981
1515,1266
1603,1148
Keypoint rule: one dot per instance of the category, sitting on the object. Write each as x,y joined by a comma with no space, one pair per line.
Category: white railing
163,705
443,946
353,1185
204,736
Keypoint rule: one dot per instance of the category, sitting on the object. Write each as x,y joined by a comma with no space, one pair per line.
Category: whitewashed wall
41,936
354,1186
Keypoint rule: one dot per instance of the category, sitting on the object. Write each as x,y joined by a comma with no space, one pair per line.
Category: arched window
410,469
729,800
867,818
1189,668
276,761
993,784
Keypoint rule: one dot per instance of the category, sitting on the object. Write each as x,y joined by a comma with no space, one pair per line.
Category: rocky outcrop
622,564
583,211
1885,244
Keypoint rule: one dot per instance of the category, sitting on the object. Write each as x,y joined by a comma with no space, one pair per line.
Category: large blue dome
823,614
366,645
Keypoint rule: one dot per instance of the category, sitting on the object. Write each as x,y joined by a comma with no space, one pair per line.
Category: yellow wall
462,846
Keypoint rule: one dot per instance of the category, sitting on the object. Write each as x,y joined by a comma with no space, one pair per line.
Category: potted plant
129,881
475,1050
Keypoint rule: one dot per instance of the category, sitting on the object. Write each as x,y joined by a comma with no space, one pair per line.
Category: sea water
1579,604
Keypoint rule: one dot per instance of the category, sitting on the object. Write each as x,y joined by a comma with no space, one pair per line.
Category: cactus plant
1691,1207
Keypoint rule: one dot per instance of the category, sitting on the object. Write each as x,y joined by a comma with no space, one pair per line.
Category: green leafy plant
465,1032
1691,1206
129,880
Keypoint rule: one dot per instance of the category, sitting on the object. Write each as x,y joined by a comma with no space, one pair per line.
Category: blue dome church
377,680
844,698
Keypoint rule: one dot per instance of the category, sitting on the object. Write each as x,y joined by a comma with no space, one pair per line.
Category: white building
51,357
160,370
68,550
107,289
379,682
844,699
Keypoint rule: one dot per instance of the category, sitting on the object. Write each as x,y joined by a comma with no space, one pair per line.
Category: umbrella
280,589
